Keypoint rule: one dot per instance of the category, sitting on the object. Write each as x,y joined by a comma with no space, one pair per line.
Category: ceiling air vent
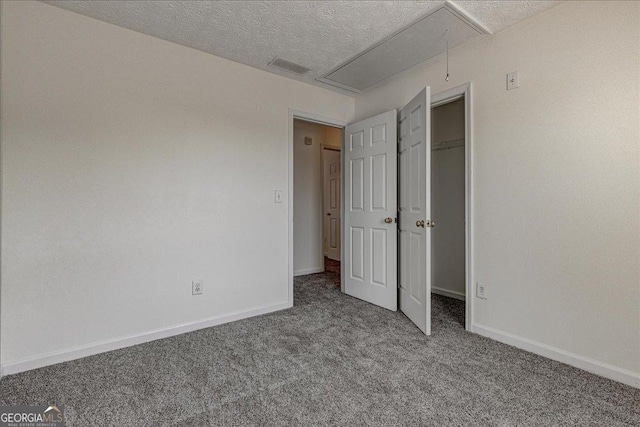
289,66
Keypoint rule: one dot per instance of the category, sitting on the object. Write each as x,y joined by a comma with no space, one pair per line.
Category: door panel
331,234
334,233
357,253
334,193
356,172
379,182
356,140
371,197
414,213
378,262
415,178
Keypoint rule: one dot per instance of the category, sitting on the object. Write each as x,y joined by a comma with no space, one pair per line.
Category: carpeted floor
331,359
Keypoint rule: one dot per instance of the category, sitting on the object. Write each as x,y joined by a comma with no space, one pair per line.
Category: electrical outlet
513,80
481,290
196,287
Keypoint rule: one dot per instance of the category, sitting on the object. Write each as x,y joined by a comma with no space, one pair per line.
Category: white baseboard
308,271
115,344
448,293
590,365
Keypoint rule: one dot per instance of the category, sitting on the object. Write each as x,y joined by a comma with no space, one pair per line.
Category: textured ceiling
316,34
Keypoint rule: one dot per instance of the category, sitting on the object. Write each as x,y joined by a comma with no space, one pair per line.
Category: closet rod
447,145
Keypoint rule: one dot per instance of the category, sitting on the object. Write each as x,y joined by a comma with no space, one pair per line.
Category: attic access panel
412,45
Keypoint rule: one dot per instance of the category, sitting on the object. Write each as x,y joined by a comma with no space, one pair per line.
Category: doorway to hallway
316,197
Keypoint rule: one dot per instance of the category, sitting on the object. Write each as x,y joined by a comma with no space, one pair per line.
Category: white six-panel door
414,176
370,198
331,162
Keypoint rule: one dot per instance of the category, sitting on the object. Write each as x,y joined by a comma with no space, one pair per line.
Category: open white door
370,198
414,159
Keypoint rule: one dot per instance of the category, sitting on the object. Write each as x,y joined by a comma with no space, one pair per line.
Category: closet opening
448,209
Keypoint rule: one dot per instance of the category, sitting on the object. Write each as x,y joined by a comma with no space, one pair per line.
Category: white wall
308,214
556,179
131,166
447,201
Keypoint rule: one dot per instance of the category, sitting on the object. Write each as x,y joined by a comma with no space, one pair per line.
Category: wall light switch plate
196,287
278,196
481,290
513,80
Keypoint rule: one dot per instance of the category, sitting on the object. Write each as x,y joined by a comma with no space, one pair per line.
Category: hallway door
370,197
331,203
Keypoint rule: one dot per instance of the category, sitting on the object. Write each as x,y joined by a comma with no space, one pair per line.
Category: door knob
388,220
328,214
431,224
420,223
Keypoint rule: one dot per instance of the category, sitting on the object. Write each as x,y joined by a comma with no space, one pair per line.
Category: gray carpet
332,359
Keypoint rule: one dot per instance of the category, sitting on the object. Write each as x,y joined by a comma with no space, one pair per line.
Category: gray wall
130,167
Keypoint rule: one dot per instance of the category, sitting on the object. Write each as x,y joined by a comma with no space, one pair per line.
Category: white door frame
315,118
437,100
